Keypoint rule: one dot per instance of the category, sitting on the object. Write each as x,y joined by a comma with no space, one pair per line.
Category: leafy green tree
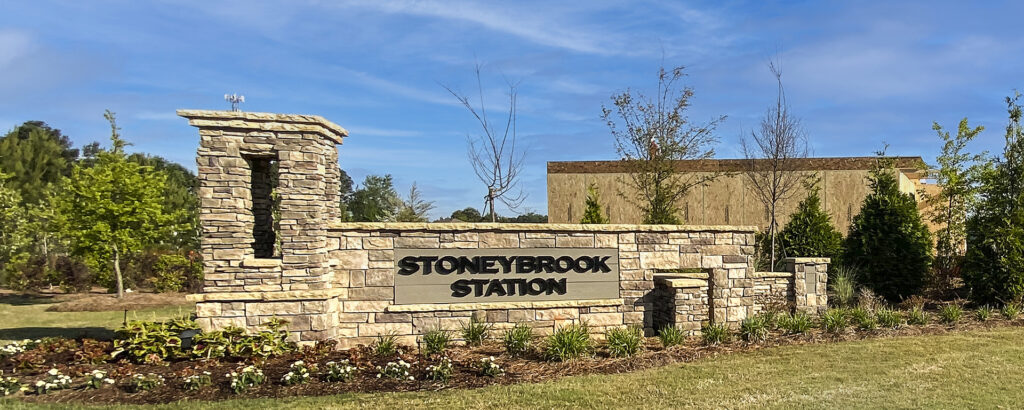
957,176
414,208
14,239
36,157
592,213
344,195
375,201
527,218
809,232
888,241
994,266
114,208
468,214
180,199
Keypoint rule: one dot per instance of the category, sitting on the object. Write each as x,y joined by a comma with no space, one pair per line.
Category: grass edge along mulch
551,374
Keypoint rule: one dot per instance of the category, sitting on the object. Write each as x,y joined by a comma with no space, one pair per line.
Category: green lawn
976,369
24,317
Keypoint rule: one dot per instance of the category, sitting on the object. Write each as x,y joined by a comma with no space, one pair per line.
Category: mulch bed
131,301
530,369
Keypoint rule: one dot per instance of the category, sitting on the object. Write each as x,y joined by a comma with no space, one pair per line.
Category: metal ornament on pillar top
234,99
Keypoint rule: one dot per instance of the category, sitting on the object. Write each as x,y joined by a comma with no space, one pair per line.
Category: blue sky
857,73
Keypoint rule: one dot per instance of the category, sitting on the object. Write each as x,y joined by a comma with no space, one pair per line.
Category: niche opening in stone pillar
266,206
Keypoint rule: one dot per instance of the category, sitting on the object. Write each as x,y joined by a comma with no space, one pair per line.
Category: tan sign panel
505,275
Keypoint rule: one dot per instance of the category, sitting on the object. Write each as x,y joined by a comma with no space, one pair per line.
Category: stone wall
337,280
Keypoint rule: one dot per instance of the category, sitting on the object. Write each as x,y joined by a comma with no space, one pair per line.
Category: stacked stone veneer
336,280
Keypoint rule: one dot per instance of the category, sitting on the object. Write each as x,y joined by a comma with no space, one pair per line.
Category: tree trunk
490,203
771,231
117,273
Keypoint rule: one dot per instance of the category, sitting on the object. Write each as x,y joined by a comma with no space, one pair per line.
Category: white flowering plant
197,381
14,348
246,378
55,380
338,371
489,368
98,378
9,385
298,373
145,382
395,370
442,371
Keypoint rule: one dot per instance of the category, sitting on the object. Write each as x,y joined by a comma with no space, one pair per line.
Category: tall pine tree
888,242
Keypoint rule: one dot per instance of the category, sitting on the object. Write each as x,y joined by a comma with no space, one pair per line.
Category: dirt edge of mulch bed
531,369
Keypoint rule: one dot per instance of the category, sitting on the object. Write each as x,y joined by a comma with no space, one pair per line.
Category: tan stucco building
728,199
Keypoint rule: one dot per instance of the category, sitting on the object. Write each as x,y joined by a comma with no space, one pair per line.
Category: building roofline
735,165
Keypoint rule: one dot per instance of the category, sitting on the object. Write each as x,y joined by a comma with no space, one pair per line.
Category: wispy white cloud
14,45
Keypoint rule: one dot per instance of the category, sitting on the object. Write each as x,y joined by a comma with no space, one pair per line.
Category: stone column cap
264,121
807,260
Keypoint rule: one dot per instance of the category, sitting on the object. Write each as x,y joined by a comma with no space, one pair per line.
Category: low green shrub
245,379
671,336
568,343
889,318
139,382
97,379
338,371
490,368
9,385
475,332
54,380
399,370
1010,311
951,313
983,313
386,345
197,381
625,342
863,318
754,329
151,342
796,323
834,321
518,340
442,371
298,373
436,341
917,316
714,333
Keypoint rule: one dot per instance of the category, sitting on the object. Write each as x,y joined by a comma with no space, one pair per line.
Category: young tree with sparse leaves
957,177
414,208
651,133
114,208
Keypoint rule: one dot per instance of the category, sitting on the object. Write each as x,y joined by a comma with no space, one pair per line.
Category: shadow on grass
26,300
20,333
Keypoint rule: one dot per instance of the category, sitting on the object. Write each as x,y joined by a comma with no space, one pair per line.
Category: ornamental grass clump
1010,311
518,340
889,318
714,333
338,371
843,285
196,382
144,382
754,329
834,321
863,318
671,336
442,371
489,368
54,380
386,345
399,370
625,342
298,373
245,379
436,341
474,332
796,323
983,313
9,385
97,379
917,316
950,314
568,343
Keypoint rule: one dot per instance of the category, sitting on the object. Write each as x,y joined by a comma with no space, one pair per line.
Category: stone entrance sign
273,247
496,275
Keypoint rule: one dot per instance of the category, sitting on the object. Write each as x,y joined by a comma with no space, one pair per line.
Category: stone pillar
810,283
246,282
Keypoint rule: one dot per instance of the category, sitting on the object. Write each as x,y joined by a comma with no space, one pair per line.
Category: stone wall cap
319,294
681,275
545,304
677,282
807,260
261,263
521,227
773,274
265,121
